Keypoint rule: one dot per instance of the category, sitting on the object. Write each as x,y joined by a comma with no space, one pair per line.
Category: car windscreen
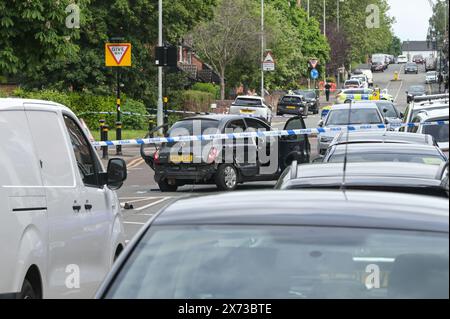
352,82
411,65
248,102
291,100
307,94
389,108
398,157
416,89
280,262
194,127
439,132
357,116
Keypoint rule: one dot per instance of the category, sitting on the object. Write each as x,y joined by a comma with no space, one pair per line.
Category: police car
345,96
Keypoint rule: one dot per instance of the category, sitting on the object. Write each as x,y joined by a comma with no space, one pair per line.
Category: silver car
253,106
340,116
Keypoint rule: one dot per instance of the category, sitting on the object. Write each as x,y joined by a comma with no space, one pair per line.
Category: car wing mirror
320,124
116,173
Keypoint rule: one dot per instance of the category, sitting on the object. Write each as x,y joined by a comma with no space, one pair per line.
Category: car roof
387,148
254,97
369,169
12,103
362,209
214,117
354,106
436,114
383,137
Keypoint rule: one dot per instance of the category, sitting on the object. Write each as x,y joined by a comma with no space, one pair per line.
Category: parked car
406,178
418,59
439,132
323,245
384,137
430,63
413,91
385,152
352,84
402,59
312,100
252,105
431,77
342,116
411,68
59,213
363,79
347,95
378,67
224,163
389,112
293,105
425,103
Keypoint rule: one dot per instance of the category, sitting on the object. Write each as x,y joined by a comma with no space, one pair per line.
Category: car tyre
27,291
226,177
165,187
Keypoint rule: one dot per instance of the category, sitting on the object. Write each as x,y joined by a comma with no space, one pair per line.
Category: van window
86,162
51,148
17,151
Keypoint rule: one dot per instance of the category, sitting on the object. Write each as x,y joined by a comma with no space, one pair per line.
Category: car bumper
193,173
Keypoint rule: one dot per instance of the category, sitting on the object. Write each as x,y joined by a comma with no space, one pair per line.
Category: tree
223,39
396,46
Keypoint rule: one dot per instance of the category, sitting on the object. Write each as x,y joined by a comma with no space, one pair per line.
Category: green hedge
82,103
208,88
196,100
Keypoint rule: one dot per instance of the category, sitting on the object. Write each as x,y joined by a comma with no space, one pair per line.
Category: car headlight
326,139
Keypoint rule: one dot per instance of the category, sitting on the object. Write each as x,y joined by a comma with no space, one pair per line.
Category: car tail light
156,157
212,156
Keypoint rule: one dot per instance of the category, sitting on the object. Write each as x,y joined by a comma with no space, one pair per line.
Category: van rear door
22,201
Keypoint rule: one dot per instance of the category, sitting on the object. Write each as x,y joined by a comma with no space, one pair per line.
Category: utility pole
325,18
308,8
262,49
160,110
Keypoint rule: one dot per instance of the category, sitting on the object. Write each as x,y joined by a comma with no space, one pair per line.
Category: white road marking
398,92
152,204
134,223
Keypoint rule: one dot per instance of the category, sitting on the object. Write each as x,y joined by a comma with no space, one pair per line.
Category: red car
418,59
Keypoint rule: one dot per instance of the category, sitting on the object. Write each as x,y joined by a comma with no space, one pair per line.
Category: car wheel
27,291
165,187
226,177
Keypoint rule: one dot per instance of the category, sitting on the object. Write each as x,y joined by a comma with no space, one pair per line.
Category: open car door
294,147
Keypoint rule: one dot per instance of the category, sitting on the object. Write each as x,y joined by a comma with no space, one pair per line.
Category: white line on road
152,204
398,92
134,223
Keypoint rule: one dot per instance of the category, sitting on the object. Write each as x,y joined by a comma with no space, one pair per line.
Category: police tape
260,134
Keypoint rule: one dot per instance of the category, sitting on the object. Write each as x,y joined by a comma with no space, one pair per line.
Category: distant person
327,91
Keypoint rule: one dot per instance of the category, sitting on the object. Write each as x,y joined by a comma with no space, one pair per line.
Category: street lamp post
160,110
262,49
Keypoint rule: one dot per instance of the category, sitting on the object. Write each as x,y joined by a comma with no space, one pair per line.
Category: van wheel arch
32,280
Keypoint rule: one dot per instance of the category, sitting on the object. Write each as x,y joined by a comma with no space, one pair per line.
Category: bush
196,101
208,88
84,103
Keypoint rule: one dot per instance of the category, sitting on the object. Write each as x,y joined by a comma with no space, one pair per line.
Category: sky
412,18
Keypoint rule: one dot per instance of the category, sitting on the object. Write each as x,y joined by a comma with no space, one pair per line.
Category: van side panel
23,202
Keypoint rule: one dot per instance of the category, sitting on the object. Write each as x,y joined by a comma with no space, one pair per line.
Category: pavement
142,196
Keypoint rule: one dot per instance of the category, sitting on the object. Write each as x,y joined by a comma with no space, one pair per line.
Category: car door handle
88,206
76,208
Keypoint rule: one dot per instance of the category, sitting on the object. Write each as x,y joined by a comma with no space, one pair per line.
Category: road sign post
118,55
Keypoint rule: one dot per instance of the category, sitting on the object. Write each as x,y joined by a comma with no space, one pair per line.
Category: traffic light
166,56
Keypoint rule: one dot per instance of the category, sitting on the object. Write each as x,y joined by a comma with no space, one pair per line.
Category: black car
411,178
413,91
385,137
293,105
385,152
411,68
312,100
285,245
228,162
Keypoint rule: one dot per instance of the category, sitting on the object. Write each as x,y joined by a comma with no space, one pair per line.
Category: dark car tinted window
225,262
248,102
439,132
307,94
389,107
291,99
194,127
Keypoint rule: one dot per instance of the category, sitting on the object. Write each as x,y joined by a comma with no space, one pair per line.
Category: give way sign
118,54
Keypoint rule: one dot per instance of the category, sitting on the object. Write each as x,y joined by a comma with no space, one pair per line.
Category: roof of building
417,46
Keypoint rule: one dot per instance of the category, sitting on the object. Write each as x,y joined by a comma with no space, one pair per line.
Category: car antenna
344,173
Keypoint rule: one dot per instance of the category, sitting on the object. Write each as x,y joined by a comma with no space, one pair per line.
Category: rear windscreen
194,127
248,102
291,99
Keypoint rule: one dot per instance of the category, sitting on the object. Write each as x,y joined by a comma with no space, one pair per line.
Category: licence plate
181,158
247,111
291,107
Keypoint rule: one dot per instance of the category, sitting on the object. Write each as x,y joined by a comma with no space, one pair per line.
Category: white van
60,220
